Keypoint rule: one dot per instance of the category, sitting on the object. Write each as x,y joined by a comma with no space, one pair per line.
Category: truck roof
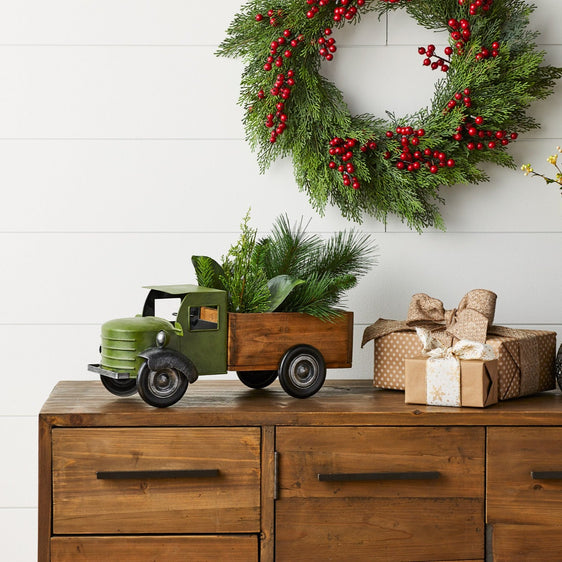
181,289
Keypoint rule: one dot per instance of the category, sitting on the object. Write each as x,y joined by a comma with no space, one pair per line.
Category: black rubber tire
257,379
162,386
119,387
302,371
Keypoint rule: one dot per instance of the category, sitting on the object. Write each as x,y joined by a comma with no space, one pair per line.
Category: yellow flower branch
553,159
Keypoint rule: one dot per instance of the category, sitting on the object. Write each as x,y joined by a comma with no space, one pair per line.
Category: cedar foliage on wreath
490,73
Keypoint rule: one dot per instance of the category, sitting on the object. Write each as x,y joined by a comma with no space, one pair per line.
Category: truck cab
158,357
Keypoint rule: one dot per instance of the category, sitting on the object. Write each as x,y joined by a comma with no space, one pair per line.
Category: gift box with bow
465,374
525,357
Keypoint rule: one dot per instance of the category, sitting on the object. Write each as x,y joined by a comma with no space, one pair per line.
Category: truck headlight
161,338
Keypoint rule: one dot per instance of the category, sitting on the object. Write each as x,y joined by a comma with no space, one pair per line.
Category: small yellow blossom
527,169
552,159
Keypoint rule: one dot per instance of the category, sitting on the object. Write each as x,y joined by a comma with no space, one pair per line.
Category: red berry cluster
282,88
342,149
480,139
439,62
315,6
484,5
327,45
458,98
413,159
285,42
346,9
460,33
485,53
271,15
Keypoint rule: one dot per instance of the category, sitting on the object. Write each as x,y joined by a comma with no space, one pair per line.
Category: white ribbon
443,368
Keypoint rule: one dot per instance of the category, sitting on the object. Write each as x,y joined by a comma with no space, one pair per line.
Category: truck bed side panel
259,341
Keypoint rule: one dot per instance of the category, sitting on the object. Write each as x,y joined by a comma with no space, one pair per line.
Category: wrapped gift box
477,384
525,359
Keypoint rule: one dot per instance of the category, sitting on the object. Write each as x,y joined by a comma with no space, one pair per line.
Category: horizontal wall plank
18,539
89,278
147,22
148,186
164,92
155,186
119,92
18,471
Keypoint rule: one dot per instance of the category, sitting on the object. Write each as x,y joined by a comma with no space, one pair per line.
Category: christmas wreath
490,72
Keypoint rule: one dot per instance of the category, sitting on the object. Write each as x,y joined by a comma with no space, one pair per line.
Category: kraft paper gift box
478,383
525,357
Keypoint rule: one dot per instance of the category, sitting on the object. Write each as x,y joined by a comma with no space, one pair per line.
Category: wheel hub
303,371
164,382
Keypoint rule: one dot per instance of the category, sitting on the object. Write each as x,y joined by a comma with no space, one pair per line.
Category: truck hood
119,327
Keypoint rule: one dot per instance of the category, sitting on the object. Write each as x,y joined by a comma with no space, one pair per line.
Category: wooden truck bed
258,341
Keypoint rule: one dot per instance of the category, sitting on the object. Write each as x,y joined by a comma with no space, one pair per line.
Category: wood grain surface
155,549
259,341
513,495
84,504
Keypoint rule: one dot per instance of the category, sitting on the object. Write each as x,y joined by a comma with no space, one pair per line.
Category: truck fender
158,357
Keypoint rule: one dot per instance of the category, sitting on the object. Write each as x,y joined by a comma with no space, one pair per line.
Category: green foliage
243,278
290,270
502,90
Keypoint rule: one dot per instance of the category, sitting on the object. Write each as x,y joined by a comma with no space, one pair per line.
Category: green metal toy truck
159,357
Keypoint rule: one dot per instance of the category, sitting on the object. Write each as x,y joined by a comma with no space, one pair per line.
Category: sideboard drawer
525,475
380,493
156,480
242,548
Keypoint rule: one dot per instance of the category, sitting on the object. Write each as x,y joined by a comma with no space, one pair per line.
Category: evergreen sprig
502,88
290,270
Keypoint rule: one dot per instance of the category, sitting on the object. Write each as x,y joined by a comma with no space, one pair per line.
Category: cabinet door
155,549
156,480
356,493
524,491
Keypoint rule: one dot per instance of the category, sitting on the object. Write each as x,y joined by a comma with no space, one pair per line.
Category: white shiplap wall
122,153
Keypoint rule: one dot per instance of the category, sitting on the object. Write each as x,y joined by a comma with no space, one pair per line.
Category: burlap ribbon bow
469,321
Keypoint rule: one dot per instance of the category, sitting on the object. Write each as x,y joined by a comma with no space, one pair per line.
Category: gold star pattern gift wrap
465,374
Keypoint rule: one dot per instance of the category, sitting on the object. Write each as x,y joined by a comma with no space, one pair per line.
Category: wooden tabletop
230,403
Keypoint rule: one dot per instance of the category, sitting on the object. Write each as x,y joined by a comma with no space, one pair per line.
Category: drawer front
380,493
514,495
526,543
156,480
155,549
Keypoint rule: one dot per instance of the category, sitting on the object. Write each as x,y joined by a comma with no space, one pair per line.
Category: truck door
203,316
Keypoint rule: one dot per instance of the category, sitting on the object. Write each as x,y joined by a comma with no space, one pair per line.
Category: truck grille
118,355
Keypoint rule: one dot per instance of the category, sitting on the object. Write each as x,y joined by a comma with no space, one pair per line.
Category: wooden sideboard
351,474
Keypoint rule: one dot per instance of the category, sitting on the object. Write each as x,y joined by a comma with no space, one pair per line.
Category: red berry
450,163
479,120
513,136
259,17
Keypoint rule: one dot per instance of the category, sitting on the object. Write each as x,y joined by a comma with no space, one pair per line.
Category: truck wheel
119,387
302,371
162,386
257,379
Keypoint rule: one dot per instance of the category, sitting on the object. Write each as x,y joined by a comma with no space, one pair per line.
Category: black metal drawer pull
144,474
546,475
367,476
